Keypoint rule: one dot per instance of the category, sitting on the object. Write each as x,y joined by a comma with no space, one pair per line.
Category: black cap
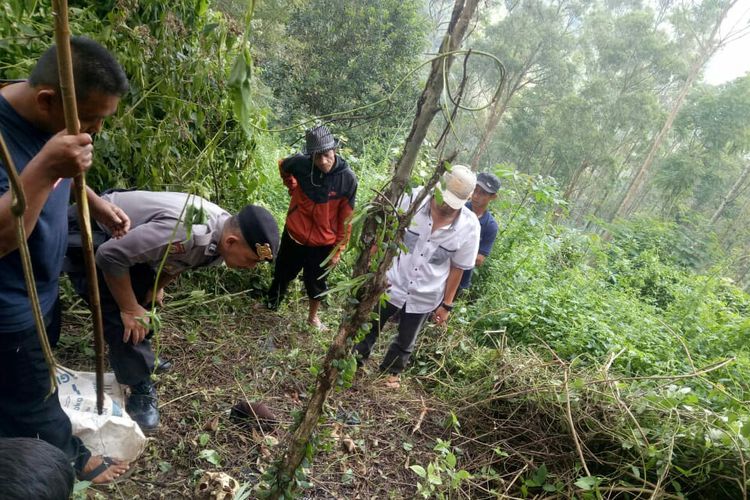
488,182
260,231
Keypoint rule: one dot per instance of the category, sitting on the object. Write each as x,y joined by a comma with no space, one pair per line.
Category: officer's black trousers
132,364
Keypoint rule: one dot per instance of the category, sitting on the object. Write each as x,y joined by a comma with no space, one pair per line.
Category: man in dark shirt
33,125
484,193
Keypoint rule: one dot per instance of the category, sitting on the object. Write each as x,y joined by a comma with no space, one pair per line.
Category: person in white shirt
442,242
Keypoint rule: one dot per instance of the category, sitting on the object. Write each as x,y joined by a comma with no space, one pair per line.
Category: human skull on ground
216,486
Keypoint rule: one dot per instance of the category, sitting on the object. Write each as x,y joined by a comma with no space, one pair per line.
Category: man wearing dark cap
323,190
192,232
484,193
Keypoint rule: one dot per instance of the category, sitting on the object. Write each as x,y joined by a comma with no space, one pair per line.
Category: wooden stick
17,208
421,417
67,89
569,415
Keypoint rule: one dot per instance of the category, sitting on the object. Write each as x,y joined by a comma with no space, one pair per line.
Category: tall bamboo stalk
67,89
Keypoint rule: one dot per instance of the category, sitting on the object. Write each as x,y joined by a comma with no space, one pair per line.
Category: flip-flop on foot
110,470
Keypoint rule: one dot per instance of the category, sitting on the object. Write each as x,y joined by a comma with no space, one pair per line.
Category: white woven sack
113,433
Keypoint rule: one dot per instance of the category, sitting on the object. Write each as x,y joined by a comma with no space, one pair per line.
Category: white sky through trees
733,60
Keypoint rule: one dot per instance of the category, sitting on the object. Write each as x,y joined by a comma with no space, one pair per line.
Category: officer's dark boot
142,406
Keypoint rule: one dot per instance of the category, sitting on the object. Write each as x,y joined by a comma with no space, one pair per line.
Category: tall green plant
177,128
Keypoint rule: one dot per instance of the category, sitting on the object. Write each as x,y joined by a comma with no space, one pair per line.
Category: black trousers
132,364
402,345
25,409
292,259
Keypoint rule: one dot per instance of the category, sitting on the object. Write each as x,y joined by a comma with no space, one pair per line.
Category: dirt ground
229,350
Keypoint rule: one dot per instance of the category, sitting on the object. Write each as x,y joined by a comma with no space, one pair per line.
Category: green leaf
452,421
407,446
203,439
450,460
636,471
438,195
80,487
347,477
419,470
463,474
587,483
201,8
434,478
540,476
211,456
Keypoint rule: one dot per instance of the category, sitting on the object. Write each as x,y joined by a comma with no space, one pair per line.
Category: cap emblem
264,251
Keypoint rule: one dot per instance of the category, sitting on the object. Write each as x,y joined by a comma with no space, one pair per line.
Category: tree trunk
497,110
731,195
496,113
570,188
573,183
745,259
707,50
371,274
732,232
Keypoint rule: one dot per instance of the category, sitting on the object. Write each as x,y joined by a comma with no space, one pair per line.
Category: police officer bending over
127,271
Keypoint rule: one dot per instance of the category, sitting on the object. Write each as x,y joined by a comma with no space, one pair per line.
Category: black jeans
25,409
402,345
292,259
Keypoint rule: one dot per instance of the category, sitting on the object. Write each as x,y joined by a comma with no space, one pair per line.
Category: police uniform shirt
156,219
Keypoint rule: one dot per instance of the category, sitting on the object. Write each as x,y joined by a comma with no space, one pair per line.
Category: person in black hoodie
323,190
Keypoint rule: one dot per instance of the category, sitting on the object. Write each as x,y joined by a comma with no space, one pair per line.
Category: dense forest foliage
604,349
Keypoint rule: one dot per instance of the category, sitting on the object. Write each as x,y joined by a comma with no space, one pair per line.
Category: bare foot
392,382
103,470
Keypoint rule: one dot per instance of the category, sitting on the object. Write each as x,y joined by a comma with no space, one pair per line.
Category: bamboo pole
67,89
17,208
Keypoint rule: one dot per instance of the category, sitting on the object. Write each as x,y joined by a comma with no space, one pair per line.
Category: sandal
100,469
